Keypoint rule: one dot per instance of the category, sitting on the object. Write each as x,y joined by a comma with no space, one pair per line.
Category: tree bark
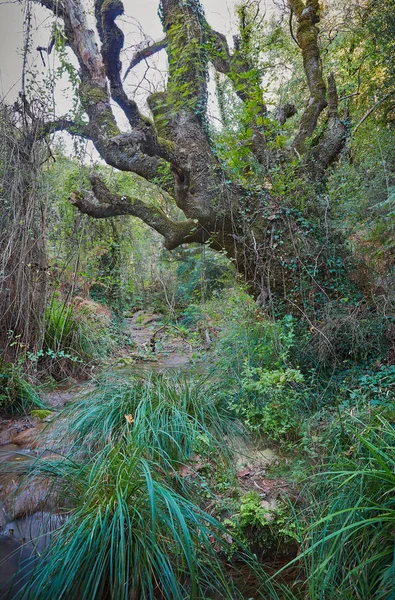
255,228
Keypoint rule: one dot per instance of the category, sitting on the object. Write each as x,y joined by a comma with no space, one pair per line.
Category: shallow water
21,541
12,452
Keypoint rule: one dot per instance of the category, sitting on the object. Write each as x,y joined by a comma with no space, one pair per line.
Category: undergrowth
74,338
134,527
349,525
17,394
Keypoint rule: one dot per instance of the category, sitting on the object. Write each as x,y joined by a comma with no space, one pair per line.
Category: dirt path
158,343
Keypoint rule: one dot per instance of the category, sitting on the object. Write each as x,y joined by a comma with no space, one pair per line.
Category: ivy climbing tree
260,229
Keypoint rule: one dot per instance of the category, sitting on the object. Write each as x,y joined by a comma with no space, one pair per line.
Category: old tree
263,231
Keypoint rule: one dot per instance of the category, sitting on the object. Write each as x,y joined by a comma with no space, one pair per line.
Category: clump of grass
350,549
17,395
130,535
134,528
74,337
173,414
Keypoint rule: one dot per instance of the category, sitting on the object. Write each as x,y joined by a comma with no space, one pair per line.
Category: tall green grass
17,394
350,535
73,337
130,535
134,529
172,414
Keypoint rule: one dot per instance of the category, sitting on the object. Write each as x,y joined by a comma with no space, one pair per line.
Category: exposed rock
29,438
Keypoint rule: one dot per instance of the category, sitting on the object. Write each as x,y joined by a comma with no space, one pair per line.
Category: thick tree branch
138,151
101,203
307,15
180,113
285,112
145,53
184,27
333,139
62,124
112,39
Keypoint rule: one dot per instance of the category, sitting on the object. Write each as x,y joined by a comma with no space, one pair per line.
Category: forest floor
24,507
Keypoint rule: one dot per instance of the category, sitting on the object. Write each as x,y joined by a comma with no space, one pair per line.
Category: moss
162,112
41,413
92,95
112,5
169,145
108,124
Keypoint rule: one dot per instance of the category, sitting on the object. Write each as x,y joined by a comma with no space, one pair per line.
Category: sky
220,14
140,20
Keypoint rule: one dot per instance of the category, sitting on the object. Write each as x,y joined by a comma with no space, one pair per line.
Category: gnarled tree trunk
265,236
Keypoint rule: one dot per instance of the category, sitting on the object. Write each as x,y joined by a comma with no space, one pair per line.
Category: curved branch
139,151
101,203
285,112
373,108
145,53
62,124
112,39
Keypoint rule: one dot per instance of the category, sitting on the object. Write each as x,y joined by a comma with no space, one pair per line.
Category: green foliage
349,544
272,402
252,513
267,527
74,335
173,413
246,335
363,199
201,272
266,392
17,394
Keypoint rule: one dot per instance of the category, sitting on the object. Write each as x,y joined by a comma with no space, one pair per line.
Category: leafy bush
266,527
374,386
200,273
269,402
247,334
254,352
